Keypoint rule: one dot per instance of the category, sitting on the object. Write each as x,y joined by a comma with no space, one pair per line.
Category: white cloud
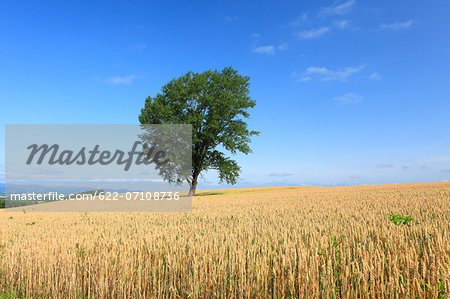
269,50
337,8
348,98
330,75
342,24
396,26
300,19
283,46
313,33
375,76
122,79
299,77
304,79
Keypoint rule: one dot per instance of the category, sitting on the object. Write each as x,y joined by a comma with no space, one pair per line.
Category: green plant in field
335,251
80,251
336,242
441,289
31,223
427,286
8,295
2,252
321,252
398,219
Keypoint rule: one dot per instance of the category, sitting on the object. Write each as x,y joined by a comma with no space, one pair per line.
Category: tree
215,103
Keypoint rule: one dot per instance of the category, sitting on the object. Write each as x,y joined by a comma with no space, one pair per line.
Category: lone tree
215,103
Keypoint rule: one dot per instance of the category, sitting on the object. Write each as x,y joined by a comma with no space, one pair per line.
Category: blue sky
347,92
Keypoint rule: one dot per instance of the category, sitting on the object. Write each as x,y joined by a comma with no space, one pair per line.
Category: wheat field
265,242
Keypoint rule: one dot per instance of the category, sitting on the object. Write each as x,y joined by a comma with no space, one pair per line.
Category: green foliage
2,200
441,289
337,267
14,203
9,295
215,103
80,251
398,219
333,252
2,252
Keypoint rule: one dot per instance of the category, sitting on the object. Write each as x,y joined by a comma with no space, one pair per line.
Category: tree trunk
193,186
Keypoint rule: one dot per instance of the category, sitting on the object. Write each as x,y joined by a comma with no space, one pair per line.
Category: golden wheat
280,242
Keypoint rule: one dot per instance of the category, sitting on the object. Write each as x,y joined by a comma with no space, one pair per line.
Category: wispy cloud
300,77
313,33
300,19
280,174
342,24
348,98
122,79
329,75
396,26
337,8
283,46
375,76
269,50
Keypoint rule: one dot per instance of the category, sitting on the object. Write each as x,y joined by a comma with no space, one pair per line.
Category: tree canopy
216,104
